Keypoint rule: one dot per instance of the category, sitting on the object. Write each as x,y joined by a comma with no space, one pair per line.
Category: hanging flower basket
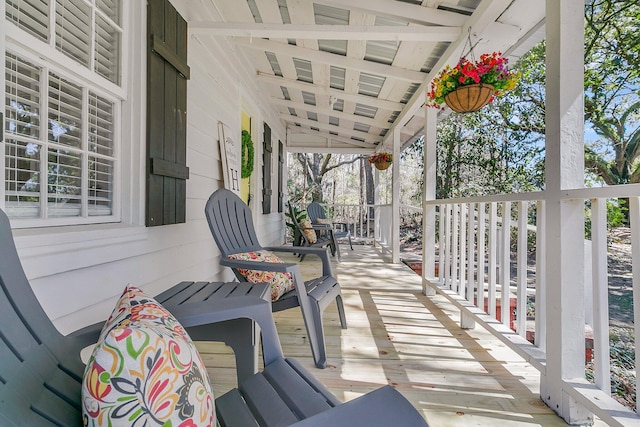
382,165
469,98
471,85
381,160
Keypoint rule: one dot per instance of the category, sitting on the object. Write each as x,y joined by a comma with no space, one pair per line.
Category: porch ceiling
343,74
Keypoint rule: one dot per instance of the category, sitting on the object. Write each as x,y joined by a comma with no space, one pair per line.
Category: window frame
127,110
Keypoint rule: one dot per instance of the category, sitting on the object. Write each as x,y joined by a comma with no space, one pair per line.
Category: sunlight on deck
398,336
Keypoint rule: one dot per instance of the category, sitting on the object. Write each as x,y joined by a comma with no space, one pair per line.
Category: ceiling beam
333,59
398,9
344,132
306,138
324,90
330,112
417,33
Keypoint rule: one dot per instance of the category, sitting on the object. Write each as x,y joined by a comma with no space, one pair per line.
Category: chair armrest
86,336
259,265
383,407
322,253
219,310
317,227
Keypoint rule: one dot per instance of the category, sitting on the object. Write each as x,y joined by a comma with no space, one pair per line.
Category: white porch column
376,203
429,193
395,198
564,169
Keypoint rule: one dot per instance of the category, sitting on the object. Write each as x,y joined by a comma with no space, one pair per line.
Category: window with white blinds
61,164
87,31
60,131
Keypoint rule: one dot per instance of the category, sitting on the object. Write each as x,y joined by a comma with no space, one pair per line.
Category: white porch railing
373,222
495,277
359,218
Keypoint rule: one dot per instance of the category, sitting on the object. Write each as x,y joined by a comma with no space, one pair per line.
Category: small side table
227,312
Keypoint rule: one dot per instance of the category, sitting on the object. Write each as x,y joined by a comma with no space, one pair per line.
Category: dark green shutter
266,170
280,177
167,74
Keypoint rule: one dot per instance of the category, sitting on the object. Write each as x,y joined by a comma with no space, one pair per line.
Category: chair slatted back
315,211
40,370
231,223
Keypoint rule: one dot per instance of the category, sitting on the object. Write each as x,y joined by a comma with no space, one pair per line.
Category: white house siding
78,272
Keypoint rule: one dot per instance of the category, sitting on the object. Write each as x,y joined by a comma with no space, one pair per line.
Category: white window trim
129,165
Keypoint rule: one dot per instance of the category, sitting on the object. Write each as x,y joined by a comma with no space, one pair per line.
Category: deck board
398,336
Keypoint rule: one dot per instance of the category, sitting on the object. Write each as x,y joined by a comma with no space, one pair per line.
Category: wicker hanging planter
469,98
382,165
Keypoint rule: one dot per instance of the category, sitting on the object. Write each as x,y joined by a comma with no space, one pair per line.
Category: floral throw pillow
145,370
308,231
280,283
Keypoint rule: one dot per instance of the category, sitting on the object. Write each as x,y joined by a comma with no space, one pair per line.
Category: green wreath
246,160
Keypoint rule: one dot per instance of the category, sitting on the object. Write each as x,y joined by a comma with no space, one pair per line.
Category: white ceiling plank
383,124
301,12
416,33
332,59
356,49
397,9
368,137
269,12
234,11
363,99
321,78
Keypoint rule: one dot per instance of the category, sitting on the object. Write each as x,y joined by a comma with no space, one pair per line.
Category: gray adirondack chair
41,370
323,232
232,228
316,211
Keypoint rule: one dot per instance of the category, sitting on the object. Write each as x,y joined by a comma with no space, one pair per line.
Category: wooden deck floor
398,336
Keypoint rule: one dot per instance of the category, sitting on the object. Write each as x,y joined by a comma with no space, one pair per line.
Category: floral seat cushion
145,370
280,283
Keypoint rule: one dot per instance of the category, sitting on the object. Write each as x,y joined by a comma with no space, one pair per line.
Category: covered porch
314,77
399,336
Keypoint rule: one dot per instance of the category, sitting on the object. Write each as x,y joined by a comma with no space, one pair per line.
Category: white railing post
505,266
455,246
521,290
429,211
462,225
600,283
493,245
443,248
395,197
471,264
482,228
376,210
634,215
448,239
540,339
